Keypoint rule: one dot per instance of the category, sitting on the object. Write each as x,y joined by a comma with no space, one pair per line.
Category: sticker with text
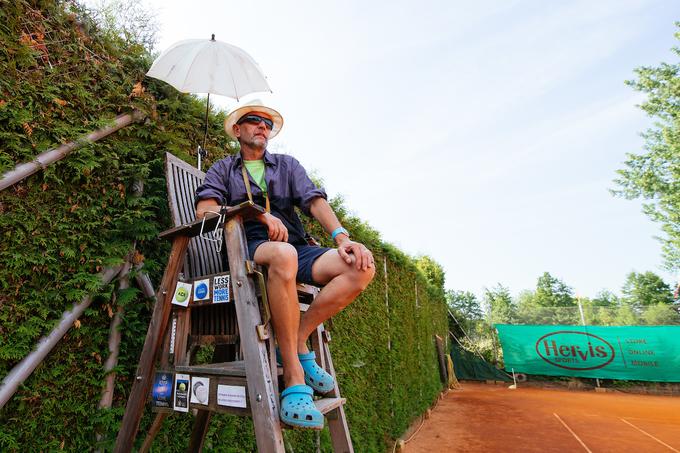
182,392
162,389
201,290
231,395
221,289
182,294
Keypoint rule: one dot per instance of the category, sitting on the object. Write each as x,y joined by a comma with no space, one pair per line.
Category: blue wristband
337,231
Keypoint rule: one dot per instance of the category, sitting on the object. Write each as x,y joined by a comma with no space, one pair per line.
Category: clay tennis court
492,418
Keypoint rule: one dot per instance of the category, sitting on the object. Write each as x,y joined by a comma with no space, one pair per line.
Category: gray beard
254,144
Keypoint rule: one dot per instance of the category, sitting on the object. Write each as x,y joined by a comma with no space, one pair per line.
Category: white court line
654,420
647,434
573,433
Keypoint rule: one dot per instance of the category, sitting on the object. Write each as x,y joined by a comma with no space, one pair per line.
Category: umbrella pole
201,149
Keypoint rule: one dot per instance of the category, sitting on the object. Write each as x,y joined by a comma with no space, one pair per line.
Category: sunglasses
256,119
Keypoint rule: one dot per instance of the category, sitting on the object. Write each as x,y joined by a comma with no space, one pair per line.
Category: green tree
654,174
465,303
606,298
552,302
432,270
553,292
465,308
128,20
528,311
625,315
642,289
600,310
660,314
499,304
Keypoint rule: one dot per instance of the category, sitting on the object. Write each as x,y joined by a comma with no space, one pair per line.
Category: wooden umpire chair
244,348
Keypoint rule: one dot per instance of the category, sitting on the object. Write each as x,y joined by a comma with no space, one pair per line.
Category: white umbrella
209,66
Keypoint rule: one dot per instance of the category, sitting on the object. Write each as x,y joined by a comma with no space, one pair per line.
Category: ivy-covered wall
61,75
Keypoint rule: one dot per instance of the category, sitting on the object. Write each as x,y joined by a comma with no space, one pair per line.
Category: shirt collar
268,158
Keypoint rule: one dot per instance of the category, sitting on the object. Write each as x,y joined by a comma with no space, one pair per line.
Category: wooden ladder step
325,405
235,369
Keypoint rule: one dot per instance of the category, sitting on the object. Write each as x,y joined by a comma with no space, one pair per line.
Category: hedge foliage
61,75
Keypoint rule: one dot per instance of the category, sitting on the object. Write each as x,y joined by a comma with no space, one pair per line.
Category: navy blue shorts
307,254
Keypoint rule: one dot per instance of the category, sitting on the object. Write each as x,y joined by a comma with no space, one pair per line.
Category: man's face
251,134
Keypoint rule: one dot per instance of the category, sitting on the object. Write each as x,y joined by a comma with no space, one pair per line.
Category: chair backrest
183,180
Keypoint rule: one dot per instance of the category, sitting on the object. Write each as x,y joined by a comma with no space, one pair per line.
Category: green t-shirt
256,170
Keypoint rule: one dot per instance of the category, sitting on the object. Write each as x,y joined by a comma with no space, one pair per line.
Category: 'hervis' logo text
575,350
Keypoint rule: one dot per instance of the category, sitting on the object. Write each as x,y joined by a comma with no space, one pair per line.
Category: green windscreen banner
638,353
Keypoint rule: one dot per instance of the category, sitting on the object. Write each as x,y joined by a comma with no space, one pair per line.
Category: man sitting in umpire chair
276,239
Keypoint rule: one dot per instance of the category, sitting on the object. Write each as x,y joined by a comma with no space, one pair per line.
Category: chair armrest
246,210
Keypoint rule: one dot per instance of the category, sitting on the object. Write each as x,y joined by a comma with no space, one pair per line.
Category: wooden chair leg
337,420
153,431
263,400
317,347
199,431
152,346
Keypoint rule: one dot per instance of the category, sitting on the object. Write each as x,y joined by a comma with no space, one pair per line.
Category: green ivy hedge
61,76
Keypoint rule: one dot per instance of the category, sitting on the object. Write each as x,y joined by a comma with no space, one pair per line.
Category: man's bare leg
281,260
344,282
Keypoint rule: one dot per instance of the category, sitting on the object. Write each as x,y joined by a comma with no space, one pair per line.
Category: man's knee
360,278
364,277
281,260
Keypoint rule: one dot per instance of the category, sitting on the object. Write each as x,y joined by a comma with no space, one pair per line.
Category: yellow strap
246,181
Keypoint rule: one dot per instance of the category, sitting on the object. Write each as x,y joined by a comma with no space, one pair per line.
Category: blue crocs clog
298,409
315,376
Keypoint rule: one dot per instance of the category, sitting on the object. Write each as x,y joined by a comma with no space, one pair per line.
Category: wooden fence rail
24,170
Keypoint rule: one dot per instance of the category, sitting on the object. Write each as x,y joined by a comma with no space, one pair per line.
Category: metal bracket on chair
326,335
214,236
262,329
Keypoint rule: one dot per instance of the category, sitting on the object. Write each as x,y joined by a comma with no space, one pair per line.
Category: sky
485,134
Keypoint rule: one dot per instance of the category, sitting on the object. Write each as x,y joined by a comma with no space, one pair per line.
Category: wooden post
144,283
23,369
263,400
114,344
48,157
389,337
159,322
443,372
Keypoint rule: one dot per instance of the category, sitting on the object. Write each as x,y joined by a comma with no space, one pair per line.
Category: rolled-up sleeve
303,188
214,185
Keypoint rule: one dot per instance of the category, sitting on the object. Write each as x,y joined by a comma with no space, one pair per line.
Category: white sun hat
255,105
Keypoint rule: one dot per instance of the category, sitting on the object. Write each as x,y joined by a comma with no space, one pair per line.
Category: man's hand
277,230
205,206
364,257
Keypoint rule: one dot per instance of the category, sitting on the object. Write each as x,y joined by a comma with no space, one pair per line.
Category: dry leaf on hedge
137,90
137,258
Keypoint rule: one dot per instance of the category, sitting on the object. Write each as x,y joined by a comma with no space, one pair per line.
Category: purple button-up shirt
288,186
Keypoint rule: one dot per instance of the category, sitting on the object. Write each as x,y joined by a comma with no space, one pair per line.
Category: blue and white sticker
202,289
221,289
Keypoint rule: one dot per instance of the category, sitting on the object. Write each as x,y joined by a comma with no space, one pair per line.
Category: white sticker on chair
231,395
